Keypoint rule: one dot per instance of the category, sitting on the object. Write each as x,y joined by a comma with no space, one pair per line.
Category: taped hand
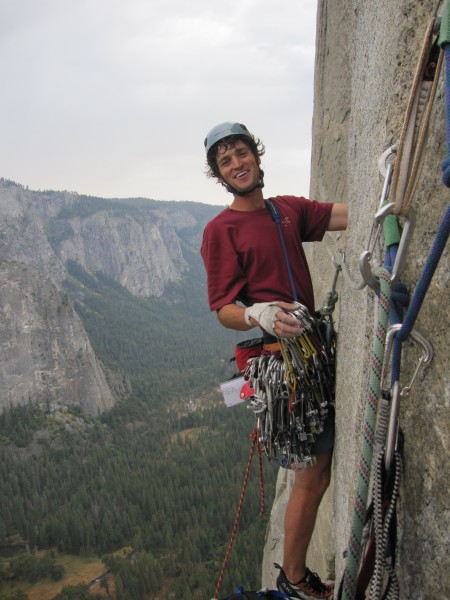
264,313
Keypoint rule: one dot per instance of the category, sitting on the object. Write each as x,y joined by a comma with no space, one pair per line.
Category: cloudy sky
113,98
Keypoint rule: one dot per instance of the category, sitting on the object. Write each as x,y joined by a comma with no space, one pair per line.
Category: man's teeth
241,174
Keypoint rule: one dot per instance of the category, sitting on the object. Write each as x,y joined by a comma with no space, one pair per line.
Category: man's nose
236,162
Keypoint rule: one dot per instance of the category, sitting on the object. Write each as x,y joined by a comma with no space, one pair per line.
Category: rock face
140,249
46,354
366,56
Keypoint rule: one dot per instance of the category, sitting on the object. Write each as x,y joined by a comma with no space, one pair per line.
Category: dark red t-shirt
244,258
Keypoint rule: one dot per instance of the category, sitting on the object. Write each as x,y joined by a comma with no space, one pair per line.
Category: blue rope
419,293
446,161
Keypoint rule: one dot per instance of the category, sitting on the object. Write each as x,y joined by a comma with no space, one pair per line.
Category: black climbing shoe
309,588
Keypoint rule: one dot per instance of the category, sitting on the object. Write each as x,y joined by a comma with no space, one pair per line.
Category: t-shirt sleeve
225,277
315,220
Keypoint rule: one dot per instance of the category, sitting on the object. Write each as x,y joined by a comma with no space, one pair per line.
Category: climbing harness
370,557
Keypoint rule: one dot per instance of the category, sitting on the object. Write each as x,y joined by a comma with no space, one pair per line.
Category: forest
161,473
167,485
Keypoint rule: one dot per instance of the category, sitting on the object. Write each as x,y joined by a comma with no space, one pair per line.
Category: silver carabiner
364,260
392,432
419,339
383,165
393,426
424,360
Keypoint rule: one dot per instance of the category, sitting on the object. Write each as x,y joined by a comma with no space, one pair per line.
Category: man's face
238,166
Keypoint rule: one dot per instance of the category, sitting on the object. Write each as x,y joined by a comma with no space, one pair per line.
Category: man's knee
315,479
324,482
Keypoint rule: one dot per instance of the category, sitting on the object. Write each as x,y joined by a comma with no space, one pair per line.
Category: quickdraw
291,392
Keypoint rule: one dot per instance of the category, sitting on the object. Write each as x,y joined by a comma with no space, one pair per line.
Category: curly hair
255,144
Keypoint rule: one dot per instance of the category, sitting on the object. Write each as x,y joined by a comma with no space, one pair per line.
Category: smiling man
249,285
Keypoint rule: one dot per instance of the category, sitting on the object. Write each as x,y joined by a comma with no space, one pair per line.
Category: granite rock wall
366,55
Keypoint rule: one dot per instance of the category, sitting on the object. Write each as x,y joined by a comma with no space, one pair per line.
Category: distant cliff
45,353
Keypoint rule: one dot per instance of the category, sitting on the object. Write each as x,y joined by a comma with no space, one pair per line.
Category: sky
113,98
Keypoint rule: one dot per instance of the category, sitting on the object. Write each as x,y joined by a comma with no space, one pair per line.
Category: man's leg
306,495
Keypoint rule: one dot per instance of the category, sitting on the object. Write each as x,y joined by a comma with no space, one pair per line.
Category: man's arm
231,316
339,218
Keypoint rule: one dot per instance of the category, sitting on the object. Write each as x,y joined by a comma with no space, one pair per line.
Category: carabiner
419,339
392,432
393,426
383,165
408,228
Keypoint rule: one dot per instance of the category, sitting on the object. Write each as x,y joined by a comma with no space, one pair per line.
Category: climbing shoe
307,588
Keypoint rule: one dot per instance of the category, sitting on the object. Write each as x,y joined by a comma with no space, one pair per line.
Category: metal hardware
291,391
416,337
364,260
392,432
383,165
343,265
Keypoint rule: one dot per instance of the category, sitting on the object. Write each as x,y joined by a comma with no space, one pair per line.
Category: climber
249,286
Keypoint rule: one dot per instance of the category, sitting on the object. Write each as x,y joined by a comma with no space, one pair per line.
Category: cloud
114,97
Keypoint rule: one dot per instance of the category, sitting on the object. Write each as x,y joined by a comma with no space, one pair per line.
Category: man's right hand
279,321
275,318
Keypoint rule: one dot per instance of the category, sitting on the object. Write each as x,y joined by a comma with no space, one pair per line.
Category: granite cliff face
139,250
46,354
366,54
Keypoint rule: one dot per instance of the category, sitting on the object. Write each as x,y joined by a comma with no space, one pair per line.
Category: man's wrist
247,317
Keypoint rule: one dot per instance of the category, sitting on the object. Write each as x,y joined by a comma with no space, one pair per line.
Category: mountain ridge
144,246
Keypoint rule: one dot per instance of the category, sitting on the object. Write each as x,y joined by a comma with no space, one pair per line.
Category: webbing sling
415,128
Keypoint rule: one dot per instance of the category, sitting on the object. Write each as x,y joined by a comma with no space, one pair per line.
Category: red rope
254,437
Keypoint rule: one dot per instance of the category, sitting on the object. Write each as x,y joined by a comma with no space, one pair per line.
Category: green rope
444,34
354,550
391,231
